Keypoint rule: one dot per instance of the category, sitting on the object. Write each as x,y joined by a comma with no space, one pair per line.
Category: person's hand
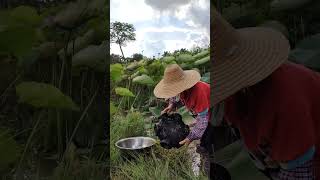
186,141
167,109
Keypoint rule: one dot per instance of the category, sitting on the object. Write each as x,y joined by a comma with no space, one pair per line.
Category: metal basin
133,143
132,146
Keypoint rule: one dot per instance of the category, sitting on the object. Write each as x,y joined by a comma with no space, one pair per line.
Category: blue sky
163,25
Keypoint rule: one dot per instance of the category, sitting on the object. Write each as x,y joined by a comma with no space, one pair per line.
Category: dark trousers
207,140
206,149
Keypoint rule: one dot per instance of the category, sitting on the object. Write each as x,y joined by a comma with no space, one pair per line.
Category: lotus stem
81,118
30,138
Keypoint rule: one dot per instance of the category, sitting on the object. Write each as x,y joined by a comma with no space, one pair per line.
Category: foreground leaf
307,52
98,25
134,75
200,55
41,95
79,43
92,56
172,62
186,116
156,68
143,79
72,15
185,66
142,62
49,49
156,111
310,43
116,72
17,40
124,92
206,77
26,14
228,153
238,163
77,13
185,58
142,70
242,167
133,65
202,61
168,58
302,56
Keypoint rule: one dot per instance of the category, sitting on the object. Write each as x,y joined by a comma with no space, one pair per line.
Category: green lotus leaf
124,92
116,71
42,95
143,79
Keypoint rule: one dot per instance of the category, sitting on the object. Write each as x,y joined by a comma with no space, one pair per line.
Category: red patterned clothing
280,116
196,100
302,172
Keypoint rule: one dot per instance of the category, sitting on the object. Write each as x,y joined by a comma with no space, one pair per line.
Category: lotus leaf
124,92
143,79
42,95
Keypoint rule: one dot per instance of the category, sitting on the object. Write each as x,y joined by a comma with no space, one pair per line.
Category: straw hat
175,81
242,57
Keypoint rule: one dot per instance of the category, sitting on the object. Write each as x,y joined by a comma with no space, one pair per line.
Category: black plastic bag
171,130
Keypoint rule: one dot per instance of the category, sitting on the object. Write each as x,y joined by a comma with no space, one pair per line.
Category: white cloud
166,5
130,11
163,25
169,29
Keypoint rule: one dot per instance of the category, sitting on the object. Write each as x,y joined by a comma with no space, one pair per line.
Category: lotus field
134,110
53,58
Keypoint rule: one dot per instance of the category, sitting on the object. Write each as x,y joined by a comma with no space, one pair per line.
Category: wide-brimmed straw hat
175,81
242,57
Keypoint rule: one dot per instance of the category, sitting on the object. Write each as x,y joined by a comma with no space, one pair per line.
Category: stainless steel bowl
133,146
134,143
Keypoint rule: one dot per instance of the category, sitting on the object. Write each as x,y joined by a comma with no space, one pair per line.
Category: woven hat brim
261,52
168,90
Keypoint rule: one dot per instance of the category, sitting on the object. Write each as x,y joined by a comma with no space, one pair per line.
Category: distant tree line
115,58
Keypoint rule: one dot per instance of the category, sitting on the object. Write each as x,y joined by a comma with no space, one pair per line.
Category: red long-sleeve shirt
280,114
197,100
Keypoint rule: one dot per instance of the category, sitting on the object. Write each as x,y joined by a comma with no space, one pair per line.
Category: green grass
149,168
161,164
124,126
89,169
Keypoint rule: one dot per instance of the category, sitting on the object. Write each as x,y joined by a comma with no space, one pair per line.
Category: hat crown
173,73
224,37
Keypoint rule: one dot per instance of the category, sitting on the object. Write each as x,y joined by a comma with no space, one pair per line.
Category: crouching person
184,88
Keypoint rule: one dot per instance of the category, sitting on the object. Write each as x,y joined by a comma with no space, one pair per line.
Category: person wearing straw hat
273,103
185,88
